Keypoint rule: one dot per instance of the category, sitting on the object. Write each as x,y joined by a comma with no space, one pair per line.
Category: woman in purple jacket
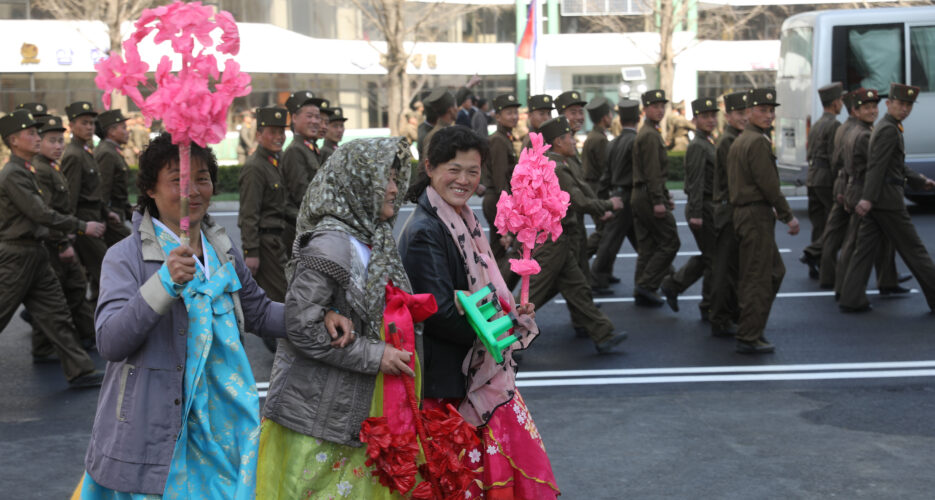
178,413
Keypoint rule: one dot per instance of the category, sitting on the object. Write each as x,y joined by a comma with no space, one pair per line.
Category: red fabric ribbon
402,310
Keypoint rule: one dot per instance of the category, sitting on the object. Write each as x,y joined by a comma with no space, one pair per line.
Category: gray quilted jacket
315,389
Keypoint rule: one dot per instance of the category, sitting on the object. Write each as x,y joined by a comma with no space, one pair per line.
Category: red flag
527,45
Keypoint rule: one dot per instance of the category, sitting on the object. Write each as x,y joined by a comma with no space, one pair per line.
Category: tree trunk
666,53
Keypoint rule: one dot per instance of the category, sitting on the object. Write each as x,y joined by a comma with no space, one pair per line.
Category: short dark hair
444,146
159,154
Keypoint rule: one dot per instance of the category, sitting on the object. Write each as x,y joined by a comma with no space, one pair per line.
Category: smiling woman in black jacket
444,250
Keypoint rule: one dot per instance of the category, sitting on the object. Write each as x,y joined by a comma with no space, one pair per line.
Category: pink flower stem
185,150
524,291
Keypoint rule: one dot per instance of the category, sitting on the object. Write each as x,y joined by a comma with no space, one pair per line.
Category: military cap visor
862,96
735,101
271,117
504,101
541,101
704,105
36,108
568,99
16,122
336,114
831,92
653,96
80,108
50,123
762,97
901,92
298,99
111,117
554,128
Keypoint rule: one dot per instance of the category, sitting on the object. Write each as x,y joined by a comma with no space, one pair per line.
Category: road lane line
682,254
788,295
746,377
694,370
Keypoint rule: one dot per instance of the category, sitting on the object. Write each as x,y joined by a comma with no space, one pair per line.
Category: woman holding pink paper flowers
444,249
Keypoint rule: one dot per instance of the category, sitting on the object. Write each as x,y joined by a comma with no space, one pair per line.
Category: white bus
860,48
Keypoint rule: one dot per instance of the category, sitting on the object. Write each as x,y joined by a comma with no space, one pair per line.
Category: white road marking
695,374
753,377
787,295
683,254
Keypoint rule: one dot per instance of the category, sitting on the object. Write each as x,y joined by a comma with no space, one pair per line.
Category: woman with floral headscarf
325,377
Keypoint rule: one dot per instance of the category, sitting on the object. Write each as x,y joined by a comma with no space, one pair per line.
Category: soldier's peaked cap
271,117
570,98
504,101
554,128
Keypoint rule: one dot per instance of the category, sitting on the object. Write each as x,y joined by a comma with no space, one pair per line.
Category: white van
860,48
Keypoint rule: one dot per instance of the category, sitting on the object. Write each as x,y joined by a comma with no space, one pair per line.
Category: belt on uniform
270,230
896,181
819,163
753,204
22,242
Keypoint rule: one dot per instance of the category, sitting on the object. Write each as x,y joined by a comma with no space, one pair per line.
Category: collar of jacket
152,250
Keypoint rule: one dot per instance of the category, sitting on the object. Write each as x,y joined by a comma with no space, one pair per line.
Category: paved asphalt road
843,409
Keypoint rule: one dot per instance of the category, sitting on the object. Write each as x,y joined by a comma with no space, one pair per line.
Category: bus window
922,51
795,53
868,56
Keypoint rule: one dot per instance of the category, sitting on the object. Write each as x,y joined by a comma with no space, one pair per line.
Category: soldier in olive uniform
618,181
652,205
115,174
561,271
84,189
263,205
139,139
62,258
540,111
677,128
300,161
855,150
724,311
883,210
836,225
594,156
700,159
496,177
442,105
820,179
570,105
25,220
753,182
334,132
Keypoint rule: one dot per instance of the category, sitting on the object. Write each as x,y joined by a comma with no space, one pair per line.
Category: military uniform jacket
299,165
527,141
855,149
820,150
618,178
327,149
699,173
23,212
583,199
424,145
500,161
424,129
594,154
886,168
84,181
262,199
54,190
115,178
837,156
720,193
752,175
651,163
